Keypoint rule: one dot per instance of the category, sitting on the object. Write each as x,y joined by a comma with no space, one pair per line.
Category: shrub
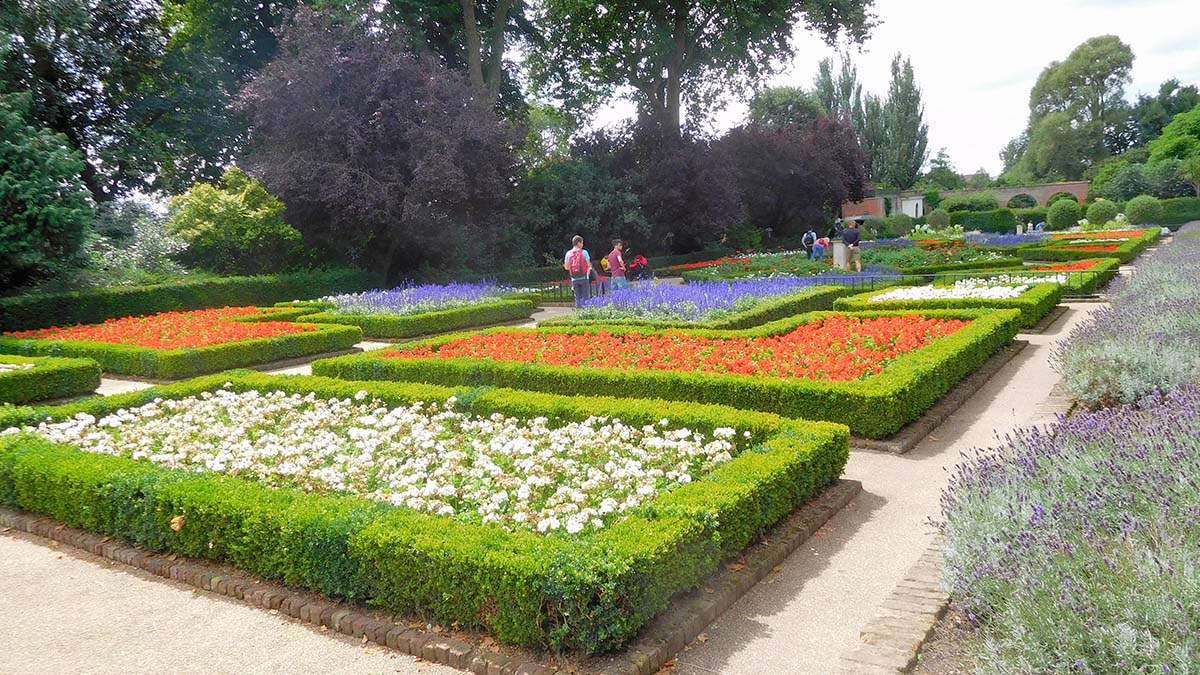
875,227
1143,210
901,224
49,378
428,323
1061,196
234,228
1101,211
1165,180
939,219
1063,214
1179,139
1031,216
1034,304
1022,201
1000,220
41,310
1179,211
978,201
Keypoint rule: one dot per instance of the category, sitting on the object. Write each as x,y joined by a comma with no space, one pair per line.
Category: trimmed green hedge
1031,216
428,323
25,312
999,220
768,309
173,364
1180,210
963,266
590,592
1079,282
1034,304
1060,250
876,406
48,379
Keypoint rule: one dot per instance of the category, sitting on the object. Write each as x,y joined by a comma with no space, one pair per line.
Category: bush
428,323
1022,201
1061,196
1101,211
1143,210
875,227
1179,211
1165,180
1034,304
1031,216
1063,214
50,378
1000,220
234,228
979,201
24,312
901,224
590,593
875,406
938,219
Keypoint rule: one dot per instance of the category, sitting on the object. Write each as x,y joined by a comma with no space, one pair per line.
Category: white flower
961,290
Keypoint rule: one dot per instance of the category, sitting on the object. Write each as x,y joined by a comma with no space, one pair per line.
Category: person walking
578,265
851,237
616,266
808,241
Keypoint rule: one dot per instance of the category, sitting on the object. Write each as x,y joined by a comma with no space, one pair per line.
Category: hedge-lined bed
394,327
29,379
591,591
1060,248
766,310
171,362
1082,277
23,312
873,406
1033,304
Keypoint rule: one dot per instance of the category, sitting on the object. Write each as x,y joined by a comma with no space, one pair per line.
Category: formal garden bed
413,310
1077,278
873,371
1062,246
174,345
29,379
885,257
1034,301
547,521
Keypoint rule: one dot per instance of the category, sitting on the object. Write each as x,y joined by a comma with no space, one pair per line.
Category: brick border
907,438
686,618
891,641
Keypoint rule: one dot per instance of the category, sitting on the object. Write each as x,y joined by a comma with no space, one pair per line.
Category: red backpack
577,264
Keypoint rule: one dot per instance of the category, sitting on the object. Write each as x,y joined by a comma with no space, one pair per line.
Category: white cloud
976,61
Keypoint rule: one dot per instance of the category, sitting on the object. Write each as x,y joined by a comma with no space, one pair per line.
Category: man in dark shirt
851,237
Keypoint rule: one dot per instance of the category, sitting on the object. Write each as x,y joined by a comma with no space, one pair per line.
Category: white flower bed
1010,279
966,289
11,367
424,456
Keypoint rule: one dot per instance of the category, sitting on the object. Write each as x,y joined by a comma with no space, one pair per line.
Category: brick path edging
687,617
891,641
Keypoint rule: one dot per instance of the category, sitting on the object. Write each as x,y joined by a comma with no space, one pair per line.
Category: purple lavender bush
1074,547
1148,338
411,298
1006,239
706,300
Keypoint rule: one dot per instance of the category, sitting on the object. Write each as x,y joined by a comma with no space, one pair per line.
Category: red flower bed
1122,234
836,347
172,330
1092,247
1067,267
709,263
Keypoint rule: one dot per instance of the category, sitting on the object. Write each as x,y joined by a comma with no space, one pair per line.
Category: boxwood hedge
1034,304
769,309
1062,249
875,406
395,327
590,592
49,378
42,310
1079,282
173,364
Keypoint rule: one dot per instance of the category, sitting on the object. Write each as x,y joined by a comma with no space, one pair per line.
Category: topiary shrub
980,201
939,219
1060,197
1101,211
1063,214
1143,209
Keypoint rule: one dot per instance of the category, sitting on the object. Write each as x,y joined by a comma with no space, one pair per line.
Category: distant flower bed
1076,266
961,290
418,299
1007,239
837,347
1117,234
918,256
173,330
1090,247
698,301
424,456
794,263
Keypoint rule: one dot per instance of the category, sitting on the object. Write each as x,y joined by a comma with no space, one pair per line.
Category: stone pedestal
1020,227
840,254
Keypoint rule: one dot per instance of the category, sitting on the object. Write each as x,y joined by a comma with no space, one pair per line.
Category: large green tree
842,95
44,207
1180,139
942,175
675,54
905,141
784,107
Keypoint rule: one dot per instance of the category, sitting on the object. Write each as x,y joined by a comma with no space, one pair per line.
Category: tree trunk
675,64
495,74
474,54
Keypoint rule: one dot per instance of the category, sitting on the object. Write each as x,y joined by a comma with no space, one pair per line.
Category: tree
941,173
795,176
674,54
841,96
1125,183
1180,139
1189,170
1151,113
384,158
784,107
906,137
45,208
1060,148
979,180
1165,179
236,227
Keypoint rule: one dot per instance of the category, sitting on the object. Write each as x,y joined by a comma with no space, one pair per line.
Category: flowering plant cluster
173,330
418,298
794,263
903,258
1077,266
1147,338
1119,235
836,347
424,456
13,367
1002,240
962,289
1090,247
1074,546
697,301
1008,279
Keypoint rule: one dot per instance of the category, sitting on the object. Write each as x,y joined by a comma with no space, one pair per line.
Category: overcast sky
976,60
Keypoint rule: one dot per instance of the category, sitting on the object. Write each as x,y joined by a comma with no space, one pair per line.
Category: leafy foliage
1063,214
1101,211
784,107
906,136
942,174
44,206
1180,139
977,201
939,218
1022,202
1142,210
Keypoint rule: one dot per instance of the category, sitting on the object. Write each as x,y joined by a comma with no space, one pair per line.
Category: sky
976,61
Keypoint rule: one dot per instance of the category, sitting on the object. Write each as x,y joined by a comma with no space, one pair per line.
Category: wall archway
1022,201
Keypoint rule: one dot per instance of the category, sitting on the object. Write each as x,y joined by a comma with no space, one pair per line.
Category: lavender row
1148,338
416,299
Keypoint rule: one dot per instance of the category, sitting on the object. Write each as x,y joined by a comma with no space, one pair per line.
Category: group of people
578,264
816,246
